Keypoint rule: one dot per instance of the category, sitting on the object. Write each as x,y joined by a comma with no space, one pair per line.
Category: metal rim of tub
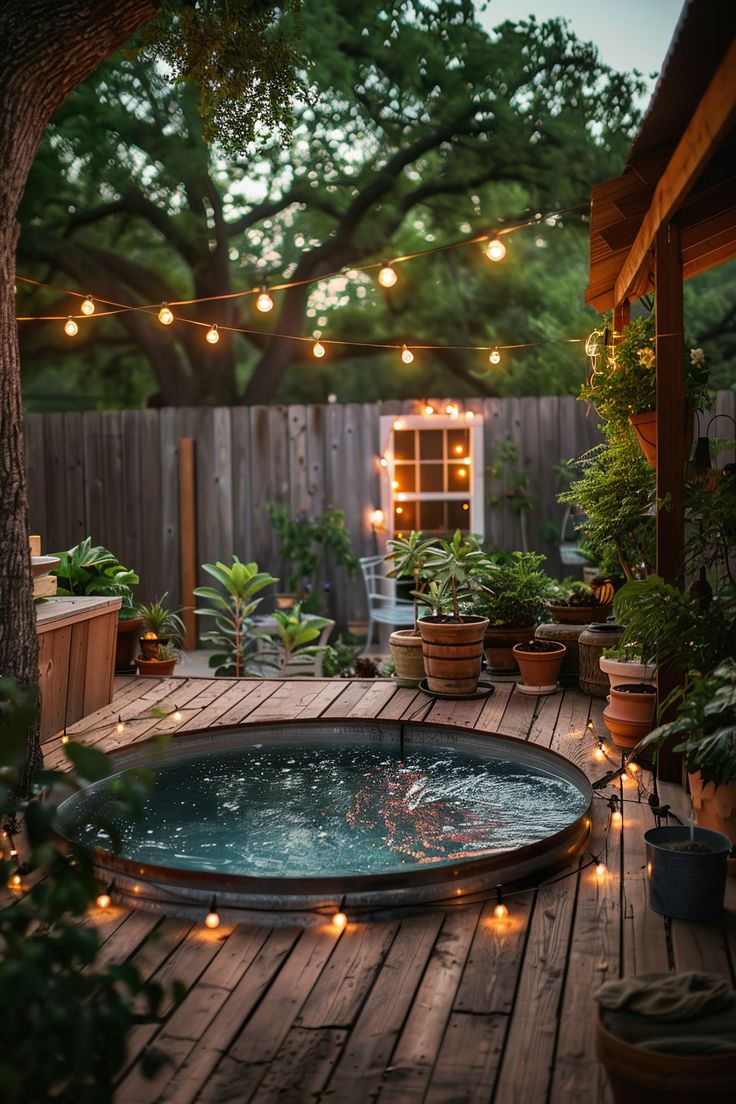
188,893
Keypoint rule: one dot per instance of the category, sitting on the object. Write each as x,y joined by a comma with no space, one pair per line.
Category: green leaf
91,763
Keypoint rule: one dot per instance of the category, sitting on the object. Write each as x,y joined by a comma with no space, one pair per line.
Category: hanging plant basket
645,427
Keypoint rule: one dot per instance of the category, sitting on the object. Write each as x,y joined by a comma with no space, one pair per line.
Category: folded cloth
668,997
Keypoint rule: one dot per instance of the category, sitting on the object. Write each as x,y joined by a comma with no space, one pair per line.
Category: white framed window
432,473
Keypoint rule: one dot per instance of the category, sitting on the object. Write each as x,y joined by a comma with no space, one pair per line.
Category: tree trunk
48,47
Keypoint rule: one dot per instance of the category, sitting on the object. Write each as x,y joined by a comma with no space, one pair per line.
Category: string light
65,737
599,754
452,410
398,424
632,765
339,920
264,302
500,909
470,414
212,335
165,316
387,276
376,517
176,714
15,881
120,726
600,867
212,919
407,355
318,350
428,410
71,329
617,819
495,357
495,250
383,462
88,306
104,900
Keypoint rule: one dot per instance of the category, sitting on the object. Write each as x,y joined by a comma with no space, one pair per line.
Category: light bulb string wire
287,284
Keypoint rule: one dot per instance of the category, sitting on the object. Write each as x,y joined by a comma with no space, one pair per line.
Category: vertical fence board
36,475
132,552
112,480
56,510
76,522
243,540
153,578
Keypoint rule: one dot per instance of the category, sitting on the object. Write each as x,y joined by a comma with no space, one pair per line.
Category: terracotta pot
569,636
623,672
645,426
285,601
453,653
715,806
629,716
499,644
579,615
592,641
126,642
406,654
641,1076
540,668
156,668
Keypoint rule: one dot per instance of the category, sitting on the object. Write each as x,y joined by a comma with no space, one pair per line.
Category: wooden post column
672,437
188,537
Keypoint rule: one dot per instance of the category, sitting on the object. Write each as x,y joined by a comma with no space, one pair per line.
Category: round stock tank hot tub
304,818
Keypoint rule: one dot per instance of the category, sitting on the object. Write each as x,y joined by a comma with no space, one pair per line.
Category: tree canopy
416,127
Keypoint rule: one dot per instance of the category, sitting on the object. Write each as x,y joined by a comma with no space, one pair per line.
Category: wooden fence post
188,537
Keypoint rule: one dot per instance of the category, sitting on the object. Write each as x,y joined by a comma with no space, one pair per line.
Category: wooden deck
445,1006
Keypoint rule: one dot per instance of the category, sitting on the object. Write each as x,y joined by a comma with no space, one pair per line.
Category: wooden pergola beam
709,123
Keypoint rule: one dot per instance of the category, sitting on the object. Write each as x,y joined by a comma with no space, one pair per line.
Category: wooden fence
114,475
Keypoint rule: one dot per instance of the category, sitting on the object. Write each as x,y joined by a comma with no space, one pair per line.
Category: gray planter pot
684,884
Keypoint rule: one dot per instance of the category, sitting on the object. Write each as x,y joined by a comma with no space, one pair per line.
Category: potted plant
705,731
161,640
234,634
308,543
624,665
539,662
161,661
576,603
407,554
513,594
452,642
629,714
88,572
625,387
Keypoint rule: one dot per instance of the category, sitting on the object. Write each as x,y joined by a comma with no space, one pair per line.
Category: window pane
430,444
431,477
404,475
458,444
459,477
404,444
458,516
404,515
431,517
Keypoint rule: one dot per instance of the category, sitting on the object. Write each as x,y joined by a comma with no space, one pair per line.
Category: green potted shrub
625,387
308,544
161,641
452,641
234,633
576,603
513,595
407,555
87,572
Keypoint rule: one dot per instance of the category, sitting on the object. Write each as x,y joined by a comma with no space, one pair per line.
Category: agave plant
232,613
456,566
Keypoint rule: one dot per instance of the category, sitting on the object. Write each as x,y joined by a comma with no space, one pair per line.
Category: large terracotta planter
629,716
579,615
569,636
406,654
453,653
126,642
499,644
156,668
540,669
623,672
638,1075
715,806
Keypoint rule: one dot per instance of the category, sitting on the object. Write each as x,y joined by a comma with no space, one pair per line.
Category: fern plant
232,612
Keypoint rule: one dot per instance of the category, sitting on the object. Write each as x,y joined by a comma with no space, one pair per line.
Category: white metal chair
384,608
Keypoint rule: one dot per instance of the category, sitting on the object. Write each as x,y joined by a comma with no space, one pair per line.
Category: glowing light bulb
120,726
176,714
599,753
212,335
495,250
466,506
387,276
15,881
600,869
407,355
633,766
428,409
212,919
383,462
88,306
318,350
500,911
71,329
452,411
165,316
470,414
495,357
395,484
376,518
461,472
339,920
103,901
616,818
399,509
65,737
398,424
264,302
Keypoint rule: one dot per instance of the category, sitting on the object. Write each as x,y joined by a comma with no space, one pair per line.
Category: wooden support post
621,316
672,437
188,537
